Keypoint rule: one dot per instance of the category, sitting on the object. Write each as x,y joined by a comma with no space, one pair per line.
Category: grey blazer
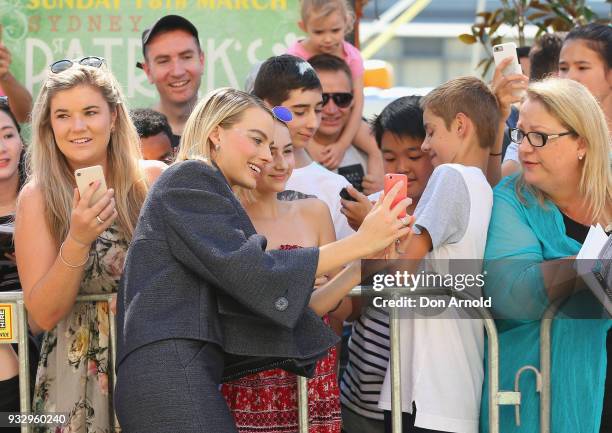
196,269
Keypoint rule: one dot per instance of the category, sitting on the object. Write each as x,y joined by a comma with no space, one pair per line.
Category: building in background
426,51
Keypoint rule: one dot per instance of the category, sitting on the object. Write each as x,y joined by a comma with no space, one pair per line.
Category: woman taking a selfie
267,401
79,120
222,305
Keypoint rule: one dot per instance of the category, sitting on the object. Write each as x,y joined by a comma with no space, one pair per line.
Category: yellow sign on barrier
6,323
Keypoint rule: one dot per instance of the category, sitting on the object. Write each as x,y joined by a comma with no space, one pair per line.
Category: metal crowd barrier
19,331
496,396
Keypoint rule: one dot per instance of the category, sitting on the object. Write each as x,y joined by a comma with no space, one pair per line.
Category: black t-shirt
574,229
9,279
175,140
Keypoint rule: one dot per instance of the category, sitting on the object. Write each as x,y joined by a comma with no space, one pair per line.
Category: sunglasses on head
342,100
65,64
282,113
4,101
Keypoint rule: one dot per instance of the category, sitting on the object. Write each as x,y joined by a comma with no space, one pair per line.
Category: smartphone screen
354,174
390,180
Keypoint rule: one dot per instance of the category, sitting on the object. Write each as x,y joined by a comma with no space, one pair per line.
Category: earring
217,147
580,157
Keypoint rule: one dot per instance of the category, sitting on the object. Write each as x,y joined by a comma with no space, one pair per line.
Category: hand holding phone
508,90
505,51
501,53
377,231
93,209
345,195
355,207
390,180
85,177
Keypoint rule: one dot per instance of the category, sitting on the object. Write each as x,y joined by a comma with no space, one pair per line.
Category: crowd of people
234,225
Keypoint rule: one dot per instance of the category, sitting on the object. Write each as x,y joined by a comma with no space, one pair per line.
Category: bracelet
397,242
68,264
496,154
78,241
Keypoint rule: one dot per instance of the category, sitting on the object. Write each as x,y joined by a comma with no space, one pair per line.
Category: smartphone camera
78,174
497,48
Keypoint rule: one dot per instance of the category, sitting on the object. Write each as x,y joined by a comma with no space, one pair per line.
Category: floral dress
73,372
266,402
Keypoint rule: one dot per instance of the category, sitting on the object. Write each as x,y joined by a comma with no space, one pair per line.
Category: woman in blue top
540,217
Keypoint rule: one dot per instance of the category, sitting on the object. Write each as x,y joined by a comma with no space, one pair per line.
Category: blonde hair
577,110
49,170
223,108
470,96
316,9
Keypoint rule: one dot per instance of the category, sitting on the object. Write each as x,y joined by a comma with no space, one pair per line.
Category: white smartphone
87,176
504,51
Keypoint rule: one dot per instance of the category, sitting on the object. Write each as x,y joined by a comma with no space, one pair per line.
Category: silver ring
405,220
100,220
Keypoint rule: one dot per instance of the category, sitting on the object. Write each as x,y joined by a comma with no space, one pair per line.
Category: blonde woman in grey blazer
201,300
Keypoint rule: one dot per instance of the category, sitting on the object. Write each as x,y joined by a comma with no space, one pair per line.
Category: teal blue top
528,234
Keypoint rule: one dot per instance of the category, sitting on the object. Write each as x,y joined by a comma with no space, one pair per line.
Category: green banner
234,35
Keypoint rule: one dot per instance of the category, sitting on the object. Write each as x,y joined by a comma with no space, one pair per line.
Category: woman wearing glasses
541,217
66,246
203,298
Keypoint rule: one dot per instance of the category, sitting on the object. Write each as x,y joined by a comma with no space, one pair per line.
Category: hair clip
282,113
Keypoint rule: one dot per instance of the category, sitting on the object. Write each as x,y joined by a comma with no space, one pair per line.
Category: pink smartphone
390,180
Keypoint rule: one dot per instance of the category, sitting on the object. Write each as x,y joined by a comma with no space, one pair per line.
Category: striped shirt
368,360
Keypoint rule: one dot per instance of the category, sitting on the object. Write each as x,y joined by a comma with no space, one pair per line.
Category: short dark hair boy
402,118
155,134
279,75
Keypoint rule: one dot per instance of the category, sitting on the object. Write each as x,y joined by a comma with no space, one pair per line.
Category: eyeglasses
342,100
536,139
282,113
62,65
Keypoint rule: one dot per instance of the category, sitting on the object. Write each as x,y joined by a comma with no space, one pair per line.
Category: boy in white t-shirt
442,358
291,82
